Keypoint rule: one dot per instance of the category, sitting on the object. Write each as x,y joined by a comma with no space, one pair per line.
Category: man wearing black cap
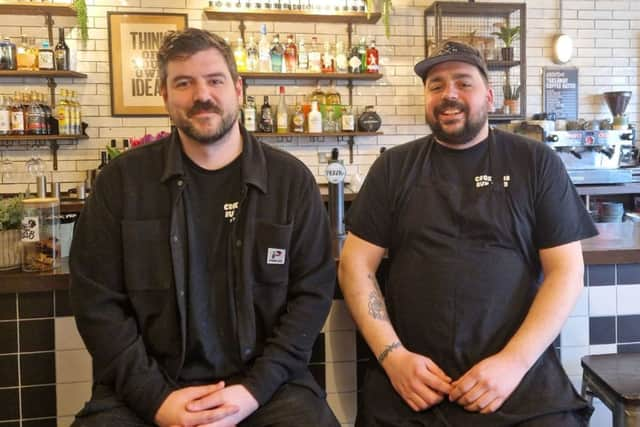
483,233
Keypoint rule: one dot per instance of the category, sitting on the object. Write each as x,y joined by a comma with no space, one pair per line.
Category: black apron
460,284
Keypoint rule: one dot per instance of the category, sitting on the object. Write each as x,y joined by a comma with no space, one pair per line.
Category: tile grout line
19,361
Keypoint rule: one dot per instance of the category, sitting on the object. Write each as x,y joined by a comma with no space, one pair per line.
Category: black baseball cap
451,51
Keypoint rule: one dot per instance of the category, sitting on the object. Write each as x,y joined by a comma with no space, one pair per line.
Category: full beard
228,121
471,128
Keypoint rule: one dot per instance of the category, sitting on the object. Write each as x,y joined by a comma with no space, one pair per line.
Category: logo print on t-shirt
230,211
482,180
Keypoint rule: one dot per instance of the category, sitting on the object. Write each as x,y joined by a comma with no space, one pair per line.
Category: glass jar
40,234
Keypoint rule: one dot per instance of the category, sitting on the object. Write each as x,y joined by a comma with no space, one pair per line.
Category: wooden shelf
41,73
307,134
41,137
310,76
37,9
232,14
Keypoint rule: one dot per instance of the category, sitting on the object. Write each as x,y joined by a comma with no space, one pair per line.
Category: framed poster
134,40
560,92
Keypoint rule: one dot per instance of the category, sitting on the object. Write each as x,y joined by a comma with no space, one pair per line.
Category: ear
239,90
163,93
490,98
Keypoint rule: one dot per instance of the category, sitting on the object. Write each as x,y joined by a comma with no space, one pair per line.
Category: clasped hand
206,406
422,384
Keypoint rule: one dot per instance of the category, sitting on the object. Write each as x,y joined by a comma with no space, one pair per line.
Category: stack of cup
611,212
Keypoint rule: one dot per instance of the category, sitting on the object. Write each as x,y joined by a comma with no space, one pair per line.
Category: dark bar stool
614,379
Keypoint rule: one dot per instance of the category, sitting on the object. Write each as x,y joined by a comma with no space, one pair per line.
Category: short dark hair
185,43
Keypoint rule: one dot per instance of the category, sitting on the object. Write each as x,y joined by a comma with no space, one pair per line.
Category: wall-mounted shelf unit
53,141
23,8
473,23
311,76
41,73
223,14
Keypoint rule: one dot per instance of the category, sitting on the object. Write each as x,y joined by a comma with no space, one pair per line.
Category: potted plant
508,35
385,8
511,96
10,223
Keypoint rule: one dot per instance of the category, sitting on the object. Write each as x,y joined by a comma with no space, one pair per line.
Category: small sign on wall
134,40
560,92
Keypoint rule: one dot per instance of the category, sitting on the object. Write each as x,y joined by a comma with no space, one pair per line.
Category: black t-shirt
211,199
546,205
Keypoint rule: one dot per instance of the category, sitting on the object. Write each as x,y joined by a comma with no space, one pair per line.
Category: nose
201,91
450,91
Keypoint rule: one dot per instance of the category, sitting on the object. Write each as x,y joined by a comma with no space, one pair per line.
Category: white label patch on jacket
276,255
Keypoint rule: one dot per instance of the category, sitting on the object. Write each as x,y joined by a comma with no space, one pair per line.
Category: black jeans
290,406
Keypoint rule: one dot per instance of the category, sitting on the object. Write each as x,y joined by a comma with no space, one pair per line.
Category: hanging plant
387,7
81,13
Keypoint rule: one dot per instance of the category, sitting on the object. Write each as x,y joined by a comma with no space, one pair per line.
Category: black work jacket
128,273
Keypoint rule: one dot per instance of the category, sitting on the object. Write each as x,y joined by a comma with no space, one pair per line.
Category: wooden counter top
616,244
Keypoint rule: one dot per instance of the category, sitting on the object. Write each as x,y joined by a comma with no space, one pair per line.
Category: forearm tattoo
388,349
377,308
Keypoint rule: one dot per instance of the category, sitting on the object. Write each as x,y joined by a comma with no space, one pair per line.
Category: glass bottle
46,57
332,96
303,57
328,59
315,59
5,116
264,51
315,118
290,55
76,122
277,52
7,54
348,120
252,55
354,60
318,95
250,114
297,120
240,55
61,52
282,116
46,110
362,52
342,64
373,58
266,117
62,113
34,118
17,116
33,53
22,55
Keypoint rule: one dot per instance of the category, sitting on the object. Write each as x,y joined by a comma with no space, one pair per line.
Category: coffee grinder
618,102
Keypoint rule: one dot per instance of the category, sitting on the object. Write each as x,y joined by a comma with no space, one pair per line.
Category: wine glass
35,165
6,167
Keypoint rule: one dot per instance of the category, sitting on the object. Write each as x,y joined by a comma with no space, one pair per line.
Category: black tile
35,304
63,307
317,353
602,275
7,306
602,330
41,422
8,337
9,407
38,368
9,370
318,372
36,335
39,401
628,274
10,424
629,348
629,328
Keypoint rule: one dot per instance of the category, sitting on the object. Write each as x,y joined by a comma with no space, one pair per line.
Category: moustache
449,104
199,107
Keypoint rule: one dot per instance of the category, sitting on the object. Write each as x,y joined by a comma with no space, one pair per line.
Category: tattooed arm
419,381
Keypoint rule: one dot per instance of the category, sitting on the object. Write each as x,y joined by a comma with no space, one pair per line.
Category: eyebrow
184,76
456,76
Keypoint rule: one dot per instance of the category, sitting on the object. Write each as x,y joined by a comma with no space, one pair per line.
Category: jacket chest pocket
271,250
147,255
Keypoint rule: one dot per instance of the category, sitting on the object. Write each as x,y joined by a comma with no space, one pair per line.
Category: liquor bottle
17,116
46,111
303,57
348,120
252,55
297,120
5,116
277,52
77,129
362,51
240,55
22,55
315,119
354,61
373,58
7,54
332,97
250,114
328,60
32,53
73,114
62,113
45,57
342,65
290,55
318,95
266,117
34,118
315,58
62,52
264,51
282,116
125,144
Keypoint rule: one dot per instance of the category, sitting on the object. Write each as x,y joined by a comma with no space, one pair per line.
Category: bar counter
616,244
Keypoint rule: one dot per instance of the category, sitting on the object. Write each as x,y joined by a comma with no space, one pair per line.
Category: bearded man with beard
202,267
482,230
